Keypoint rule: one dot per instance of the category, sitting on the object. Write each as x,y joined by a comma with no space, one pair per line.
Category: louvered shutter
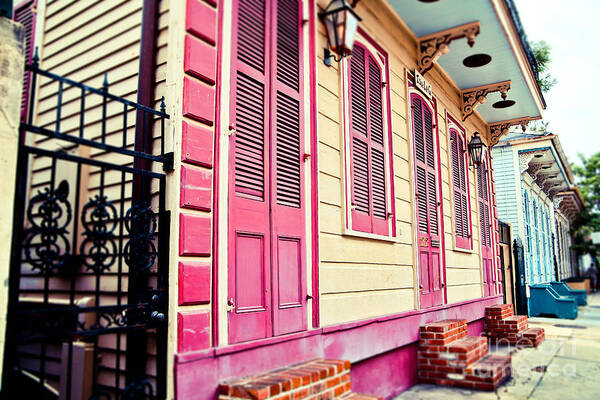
267,230
287,172
249,283
427,203
426,175
421,175
485,222
460,194
367,147
26,15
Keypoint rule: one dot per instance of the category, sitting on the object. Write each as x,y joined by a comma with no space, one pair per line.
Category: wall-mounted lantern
341,23
476,149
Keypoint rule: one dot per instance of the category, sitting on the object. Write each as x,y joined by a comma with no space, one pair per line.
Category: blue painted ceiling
427,18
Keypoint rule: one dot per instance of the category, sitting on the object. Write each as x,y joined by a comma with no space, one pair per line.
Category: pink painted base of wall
387,374
382,352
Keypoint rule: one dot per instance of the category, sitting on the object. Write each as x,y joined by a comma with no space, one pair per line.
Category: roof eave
510,22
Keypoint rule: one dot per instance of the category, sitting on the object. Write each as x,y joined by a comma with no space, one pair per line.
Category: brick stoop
447,356
502,326
312,380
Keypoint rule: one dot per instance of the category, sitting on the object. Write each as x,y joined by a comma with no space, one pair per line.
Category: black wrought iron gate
88,281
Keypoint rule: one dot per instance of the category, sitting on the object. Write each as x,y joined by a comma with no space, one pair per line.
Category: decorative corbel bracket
432,46
471,98
557,201
524,159
499,129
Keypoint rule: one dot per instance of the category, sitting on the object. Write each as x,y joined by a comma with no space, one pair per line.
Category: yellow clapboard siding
330,161
338,308
92,19
401,147
404,210
331,219
54,7
330,189
335,248
401,168
329,132
99,53
363,277
462,276
402,187
463,292
404,233
328,104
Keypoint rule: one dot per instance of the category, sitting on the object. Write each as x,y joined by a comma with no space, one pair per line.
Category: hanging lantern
341,23
476,149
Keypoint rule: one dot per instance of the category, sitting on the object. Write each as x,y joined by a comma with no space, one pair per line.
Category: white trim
307,161
223,211
511,36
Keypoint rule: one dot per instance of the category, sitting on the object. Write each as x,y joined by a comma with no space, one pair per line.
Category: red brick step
324,379
488,373
503,327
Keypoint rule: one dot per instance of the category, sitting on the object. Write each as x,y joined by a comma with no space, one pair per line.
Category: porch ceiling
507,62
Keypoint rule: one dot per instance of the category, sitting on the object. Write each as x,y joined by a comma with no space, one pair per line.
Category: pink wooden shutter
432,202
25,14
287,174
379,215
368,187
426,203
421,167
249,282
459,184
361,202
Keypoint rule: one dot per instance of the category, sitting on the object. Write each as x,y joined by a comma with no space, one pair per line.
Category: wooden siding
361,277
507,188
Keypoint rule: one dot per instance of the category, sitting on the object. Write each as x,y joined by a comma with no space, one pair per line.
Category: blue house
536,194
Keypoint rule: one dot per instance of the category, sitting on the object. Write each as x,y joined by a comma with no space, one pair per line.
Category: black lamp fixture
341,23
476,149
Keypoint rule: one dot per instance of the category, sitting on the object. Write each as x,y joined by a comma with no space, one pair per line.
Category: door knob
230,305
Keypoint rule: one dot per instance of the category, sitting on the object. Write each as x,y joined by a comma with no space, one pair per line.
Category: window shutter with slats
462,221
267,261
369,190
287,171
427,202
26,15
485,227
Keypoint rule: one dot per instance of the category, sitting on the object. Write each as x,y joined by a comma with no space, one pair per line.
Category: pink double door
428,203
485,223
267,291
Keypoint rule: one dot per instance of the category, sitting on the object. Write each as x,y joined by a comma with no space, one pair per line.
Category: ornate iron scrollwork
46,244
99,220
138,388
105,320
140,252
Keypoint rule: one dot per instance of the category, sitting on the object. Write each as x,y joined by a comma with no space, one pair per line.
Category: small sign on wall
423,86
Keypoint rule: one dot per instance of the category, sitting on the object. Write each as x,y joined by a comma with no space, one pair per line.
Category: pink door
430,265
266,243
485,224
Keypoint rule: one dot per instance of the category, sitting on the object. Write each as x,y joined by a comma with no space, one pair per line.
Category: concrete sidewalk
566,366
